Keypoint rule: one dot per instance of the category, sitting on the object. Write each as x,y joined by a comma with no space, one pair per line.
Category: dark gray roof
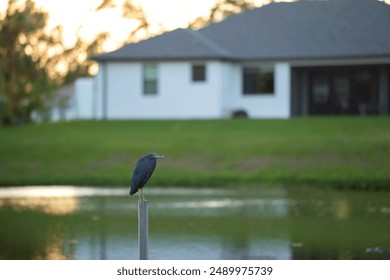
296,30
175,45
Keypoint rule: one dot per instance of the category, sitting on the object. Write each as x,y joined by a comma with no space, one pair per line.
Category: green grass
345,152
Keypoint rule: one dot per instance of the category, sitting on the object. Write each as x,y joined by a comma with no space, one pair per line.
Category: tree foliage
22,78
221,10
130,11
34,61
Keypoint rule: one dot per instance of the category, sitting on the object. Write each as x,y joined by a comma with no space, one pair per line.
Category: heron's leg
139,196
143,196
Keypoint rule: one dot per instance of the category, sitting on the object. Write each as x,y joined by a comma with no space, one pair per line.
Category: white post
143,229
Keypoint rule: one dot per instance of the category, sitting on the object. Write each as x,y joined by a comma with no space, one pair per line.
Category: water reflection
58,191
66,222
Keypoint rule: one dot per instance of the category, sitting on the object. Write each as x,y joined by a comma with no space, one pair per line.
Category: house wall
178,96
99,90
83,98
63,104
276,105
184,98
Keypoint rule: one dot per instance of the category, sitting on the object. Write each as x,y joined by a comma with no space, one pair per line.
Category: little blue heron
142,172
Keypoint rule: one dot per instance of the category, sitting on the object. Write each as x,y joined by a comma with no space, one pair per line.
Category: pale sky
72,14
171,14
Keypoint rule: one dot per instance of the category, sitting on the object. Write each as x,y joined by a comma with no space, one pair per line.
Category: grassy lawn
345,152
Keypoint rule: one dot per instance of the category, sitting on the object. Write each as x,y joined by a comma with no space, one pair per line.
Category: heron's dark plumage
143,170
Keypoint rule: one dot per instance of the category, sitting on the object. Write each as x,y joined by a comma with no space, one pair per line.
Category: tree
34,61
221,10
133,12
21,75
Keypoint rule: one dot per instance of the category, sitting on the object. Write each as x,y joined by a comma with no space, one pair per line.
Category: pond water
66,222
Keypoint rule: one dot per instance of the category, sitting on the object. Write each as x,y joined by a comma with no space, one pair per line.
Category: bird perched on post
142,172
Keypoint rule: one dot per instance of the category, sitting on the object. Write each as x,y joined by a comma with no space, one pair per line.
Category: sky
72,14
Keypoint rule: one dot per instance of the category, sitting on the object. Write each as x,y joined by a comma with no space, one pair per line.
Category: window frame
149,84
259,86
195,75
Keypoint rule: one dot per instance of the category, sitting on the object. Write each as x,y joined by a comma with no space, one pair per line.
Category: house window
258,80
199,73
150,78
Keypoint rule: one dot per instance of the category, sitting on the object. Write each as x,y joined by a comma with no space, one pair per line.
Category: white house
277,61
75,100
83,100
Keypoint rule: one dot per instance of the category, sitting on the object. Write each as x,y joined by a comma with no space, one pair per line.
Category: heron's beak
157,156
